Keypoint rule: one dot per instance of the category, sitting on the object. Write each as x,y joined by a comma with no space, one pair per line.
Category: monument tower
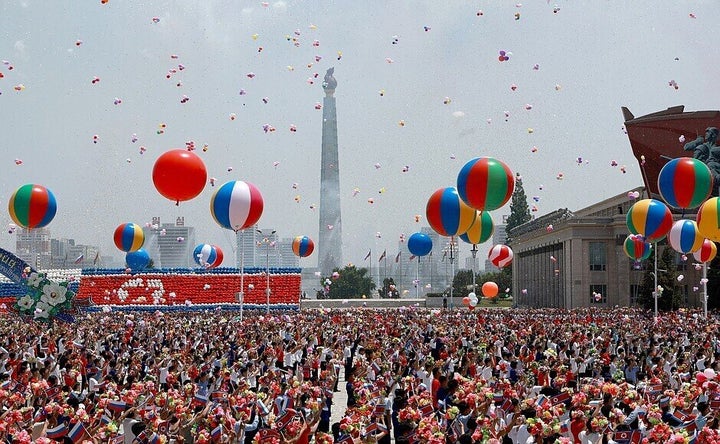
330,235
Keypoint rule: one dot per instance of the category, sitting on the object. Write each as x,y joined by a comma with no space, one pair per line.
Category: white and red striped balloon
707,252
500,255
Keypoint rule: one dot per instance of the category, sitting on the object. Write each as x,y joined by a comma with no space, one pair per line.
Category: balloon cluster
504,56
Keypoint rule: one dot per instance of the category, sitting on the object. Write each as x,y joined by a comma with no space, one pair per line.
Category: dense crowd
410,375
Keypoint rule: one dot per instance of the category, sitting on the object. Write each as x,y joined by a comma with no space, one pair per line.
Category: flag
262,408
443,256
397,258
40,415
560,399
199,400
679,414
270,436
565,427
52,392
506,405
688,426
216,433
412,257
219,396
374,428
367,255
345,439
382,256
57,432
283,420
498,398
654,389
427,410
543,401
117,406
97,258
627,437
80,258
77,432
379,409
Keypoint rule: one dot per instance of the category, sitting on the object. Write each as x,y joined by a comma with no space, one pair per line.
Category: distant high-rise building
330,230
34,247
246,241
286,256
170,245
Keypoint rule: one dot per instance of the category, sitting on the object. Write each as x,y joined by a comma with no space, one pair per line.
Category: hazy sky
574,64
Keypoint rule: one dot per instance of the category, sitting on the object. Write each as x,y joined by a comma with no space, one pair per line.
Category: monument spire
330,235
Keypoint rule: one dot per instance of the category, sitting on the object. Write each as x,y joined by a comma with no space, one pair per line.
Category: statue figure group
708,151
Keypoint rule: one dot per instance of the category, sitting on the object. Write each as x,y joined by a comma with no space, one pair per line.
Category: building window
634,294
598,294
598,256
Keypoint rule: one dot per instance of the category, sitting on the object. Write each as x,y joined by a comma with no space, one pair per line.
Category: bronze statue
702,148
329,84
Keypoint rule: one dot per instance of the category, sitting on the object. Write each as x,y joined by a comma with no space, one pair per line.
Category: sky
420,92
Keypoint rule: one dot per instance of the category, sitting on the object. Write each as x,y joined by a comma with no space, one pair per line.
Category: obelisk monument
330,235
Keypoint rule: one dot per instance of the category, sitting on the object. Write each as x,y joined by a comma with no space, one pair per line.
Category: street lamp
268,243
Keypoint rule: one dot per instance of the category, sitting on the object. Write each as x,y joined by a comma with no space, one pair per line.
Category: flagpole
241,294
417,279
452,272
401,275
705,295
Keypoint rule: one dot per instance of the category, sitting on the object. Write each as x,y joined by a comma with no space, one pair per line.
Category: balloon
485,183
303,246
684,236
236,205
129,237
208,256
473,302
636,248
179,175
489,289
419,244
500,256
708,219
473,299
137,260
481,229
32,206
685,182
466,301
706,252
447,214
650,218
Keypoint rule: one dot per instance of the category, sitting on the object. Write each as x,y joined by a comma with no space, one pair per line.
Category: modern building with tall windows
170,245
576,259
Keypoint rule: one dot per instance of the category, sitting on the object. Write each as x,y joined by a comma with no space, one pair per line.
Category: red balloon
466,301
179,175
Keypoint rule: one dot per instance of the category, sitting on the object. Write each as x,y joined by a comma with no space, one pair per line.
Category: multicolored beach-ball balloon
447,214
32,206
179,175
481,229
303,246
707,252
708,219
419,244
636,247
649,218
684,236
685,182
500,255
129,237
485,183
208,256
137,260
237,205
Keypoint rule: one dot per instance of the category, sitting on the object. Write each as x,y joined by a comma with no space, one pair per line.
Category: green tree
670,297
351,283
389,290
519,209
462,283
713,285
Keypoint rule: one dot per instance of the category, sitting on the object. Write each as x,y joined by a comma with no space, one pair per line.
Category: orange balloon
466,301
489,289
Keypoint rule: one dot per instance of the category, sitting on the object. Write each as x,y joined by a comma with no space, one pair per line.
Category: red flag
367,255
397,258
382,256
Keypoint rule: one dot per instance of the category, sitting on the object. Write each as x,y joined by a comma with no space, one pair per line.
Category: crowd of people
411,375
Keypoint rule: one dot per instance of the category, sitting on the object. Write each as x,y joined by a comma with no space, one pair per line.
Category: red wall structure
176,289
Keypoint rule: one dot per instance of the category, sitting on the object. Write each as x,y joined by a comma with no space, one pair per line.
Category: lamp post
268,243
